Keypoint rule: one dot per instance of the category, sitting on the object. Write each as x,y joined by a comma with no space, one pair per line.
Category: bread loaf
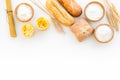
82,29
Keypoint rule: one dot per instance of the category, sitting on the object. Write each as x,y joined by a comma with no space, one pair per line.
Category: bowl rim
107,26
98,3
15,12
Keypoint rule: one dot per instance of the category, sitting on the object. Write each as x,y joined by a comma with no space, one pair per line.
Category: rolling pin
10,18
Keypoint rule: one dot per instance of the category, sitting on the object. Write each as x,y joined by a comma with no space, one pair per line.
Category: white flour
94,11
104,33
24,12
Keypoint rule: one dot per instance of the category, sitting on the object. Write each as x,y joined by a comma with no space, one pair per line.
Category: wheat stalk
112,14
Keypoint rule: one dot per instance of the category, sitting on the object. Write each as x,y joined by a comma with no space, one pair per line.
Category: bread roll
59,12
72,7
82,29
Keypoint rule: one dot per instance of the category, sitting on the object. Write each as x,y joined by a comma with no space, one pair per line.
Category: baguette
59,12
72,7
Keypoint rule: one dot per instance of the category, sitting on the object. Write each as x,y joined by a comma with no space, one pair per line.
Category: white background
53,56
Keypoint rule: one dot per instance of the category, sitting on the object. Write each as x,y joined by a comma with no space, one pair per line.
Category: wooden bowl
107,40
98,3
17,9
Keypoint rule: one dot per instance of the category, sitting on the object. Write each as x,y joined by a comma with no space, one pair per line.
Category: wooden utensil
10,18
